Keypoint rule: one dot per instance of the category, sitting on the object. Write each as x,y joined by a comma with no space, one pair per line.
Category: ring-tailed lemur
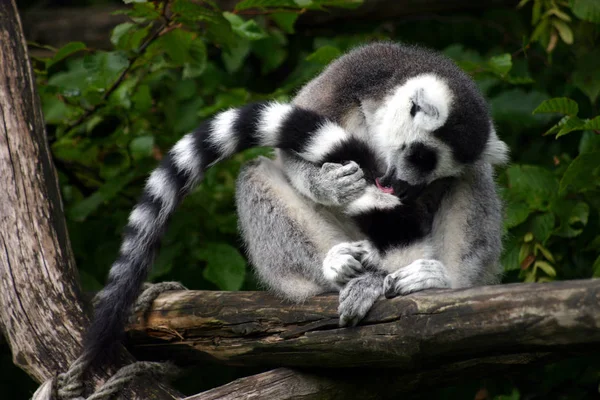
318,218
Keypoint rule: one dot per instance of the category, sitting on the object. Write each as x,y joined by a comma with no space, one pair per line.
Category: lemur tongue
384,189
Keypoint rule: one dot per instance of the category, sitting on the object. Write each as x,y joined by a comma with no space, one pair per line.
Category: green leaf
534,185
540,30
65,52
510,254
500,65
596,268
583,174
134,1
588,10
225,267
592,124
536,12
564,31
285,21
516,212
271,52
141,147
247,29
106,192
570,124
75,150
560,14
573,217
519,80
189,12
142,11
318,4
545,252
247,4
515,395
57,111
166,260
324,55
176,44
560,105
586,76
541,226
197,59
546,267
186,49
119,31
114,164
104,67
142,98
590,141
235,56
128,36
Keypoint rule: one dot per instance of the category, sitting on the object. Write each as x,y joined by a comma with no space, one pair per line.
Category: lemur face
424,133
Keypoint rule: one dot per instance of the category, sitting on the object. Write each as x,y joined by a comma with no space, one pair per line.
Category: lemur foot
419,275
339,184
348,260
358,296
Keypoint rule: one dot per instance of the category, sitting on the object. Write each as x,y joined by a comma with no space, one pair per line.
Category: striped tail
229,132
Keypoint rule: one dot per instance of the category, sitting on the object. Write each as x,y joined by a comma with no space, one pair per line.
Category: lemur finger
330,167
419,275
347,182
349,169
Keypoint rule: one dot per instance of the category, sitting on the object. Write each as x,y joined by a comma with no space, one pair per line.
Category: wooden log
364,384
41,309
92,25
409,333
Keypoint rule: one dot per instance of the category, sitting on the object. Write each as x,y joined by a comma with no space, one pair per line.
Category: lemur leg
287,236
288,239
358,296
331,185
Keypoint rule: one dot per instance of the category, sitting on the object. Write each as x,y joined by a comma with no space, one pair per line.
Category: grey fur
291,212
358,296
332,184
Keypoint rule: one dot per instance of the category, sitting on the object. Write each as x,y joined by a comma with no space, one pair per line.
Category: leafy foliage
111,116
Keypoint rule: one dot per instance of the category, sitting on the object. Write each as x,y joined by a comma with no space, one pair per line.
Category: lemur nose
422,157
387,179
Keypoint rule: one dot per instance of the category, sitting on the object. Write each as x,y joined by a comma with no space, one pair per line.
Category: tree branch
41,309
411,333
364,384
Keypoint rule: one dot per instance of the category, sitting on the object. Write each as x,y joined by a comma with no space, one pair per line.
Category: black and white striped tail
229,132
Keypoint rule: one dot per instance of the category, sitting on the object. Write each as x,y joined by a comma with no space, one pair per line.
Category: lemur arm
331,184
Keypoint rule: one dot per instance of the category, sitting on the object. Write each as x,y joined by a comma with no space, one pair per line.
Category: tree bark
412,333
92,25
41,309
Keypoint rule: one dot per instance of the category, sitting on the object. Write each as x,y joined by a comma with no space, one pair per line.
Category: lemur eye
414,109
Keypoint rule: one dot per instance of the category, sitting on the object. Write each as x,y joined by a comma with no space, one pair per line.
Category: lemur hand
337,184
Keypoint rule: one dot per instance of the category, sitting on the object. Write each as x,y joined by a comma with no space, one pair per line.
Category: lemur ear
420,104
428,109
496,151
